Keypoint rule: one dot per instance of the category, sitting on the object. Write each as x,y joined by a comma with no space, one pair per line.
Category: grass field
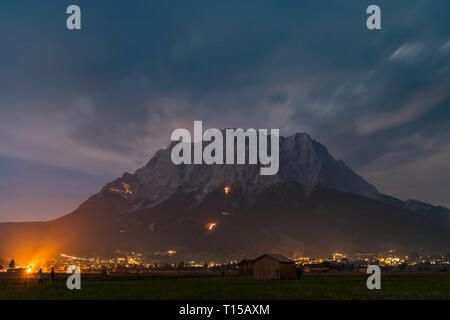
310,286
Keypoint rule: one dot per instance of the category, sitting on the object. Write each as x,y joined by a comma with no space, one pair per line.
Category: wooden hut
246,267
274,266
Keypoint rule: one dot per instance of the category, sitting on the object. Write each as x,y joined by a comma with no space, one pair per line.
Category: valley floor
309,286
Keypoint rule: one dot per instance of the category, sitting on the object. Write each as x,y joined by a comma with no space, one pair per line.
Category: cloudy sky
78,108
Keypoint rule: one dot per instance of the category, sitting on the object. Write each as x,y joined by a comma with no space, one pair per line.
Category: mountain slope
285,218
314,205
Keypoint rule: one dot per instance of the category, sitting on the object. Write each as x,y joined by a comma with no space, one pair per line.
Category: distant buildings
17,270
315,267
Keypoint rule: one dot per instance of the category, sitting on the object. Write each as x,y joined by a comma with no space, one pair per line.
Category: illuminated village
136,262
170,260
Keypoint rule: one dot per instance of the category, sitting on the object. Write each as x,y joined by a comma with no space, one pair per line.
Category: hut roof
277,257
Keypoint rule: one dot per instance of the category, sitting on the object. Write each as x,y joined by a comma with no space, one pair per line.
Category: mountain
438,214
302,160
315,205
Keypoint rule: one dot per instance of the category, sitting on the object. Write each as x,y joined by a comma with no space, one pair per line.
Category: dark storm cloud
102,100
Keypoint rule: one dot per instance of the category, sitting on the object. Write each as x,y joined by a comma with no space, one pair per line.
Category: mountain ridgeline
314,205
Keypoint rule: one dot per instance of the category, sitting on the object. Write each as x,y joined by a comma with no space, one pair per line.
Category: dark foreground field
310,286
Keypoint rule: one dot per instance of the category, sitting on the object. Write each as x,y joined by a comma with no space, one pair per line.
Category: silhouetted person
12,264
52,275
40,276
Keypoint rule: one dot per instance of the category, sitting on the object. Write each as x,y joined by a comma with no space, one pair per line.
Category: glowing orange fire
126,186
227,190
211,225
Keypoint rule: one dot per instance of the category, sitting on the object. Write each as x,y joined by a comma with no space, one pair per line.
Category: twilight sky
78,108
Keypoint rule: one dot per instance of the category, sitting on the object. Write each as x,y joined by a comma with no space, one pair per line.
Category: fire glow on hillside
211,226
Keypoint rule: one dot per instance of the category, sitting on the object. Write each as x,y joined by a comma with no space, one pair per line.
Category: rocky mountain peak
302,160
